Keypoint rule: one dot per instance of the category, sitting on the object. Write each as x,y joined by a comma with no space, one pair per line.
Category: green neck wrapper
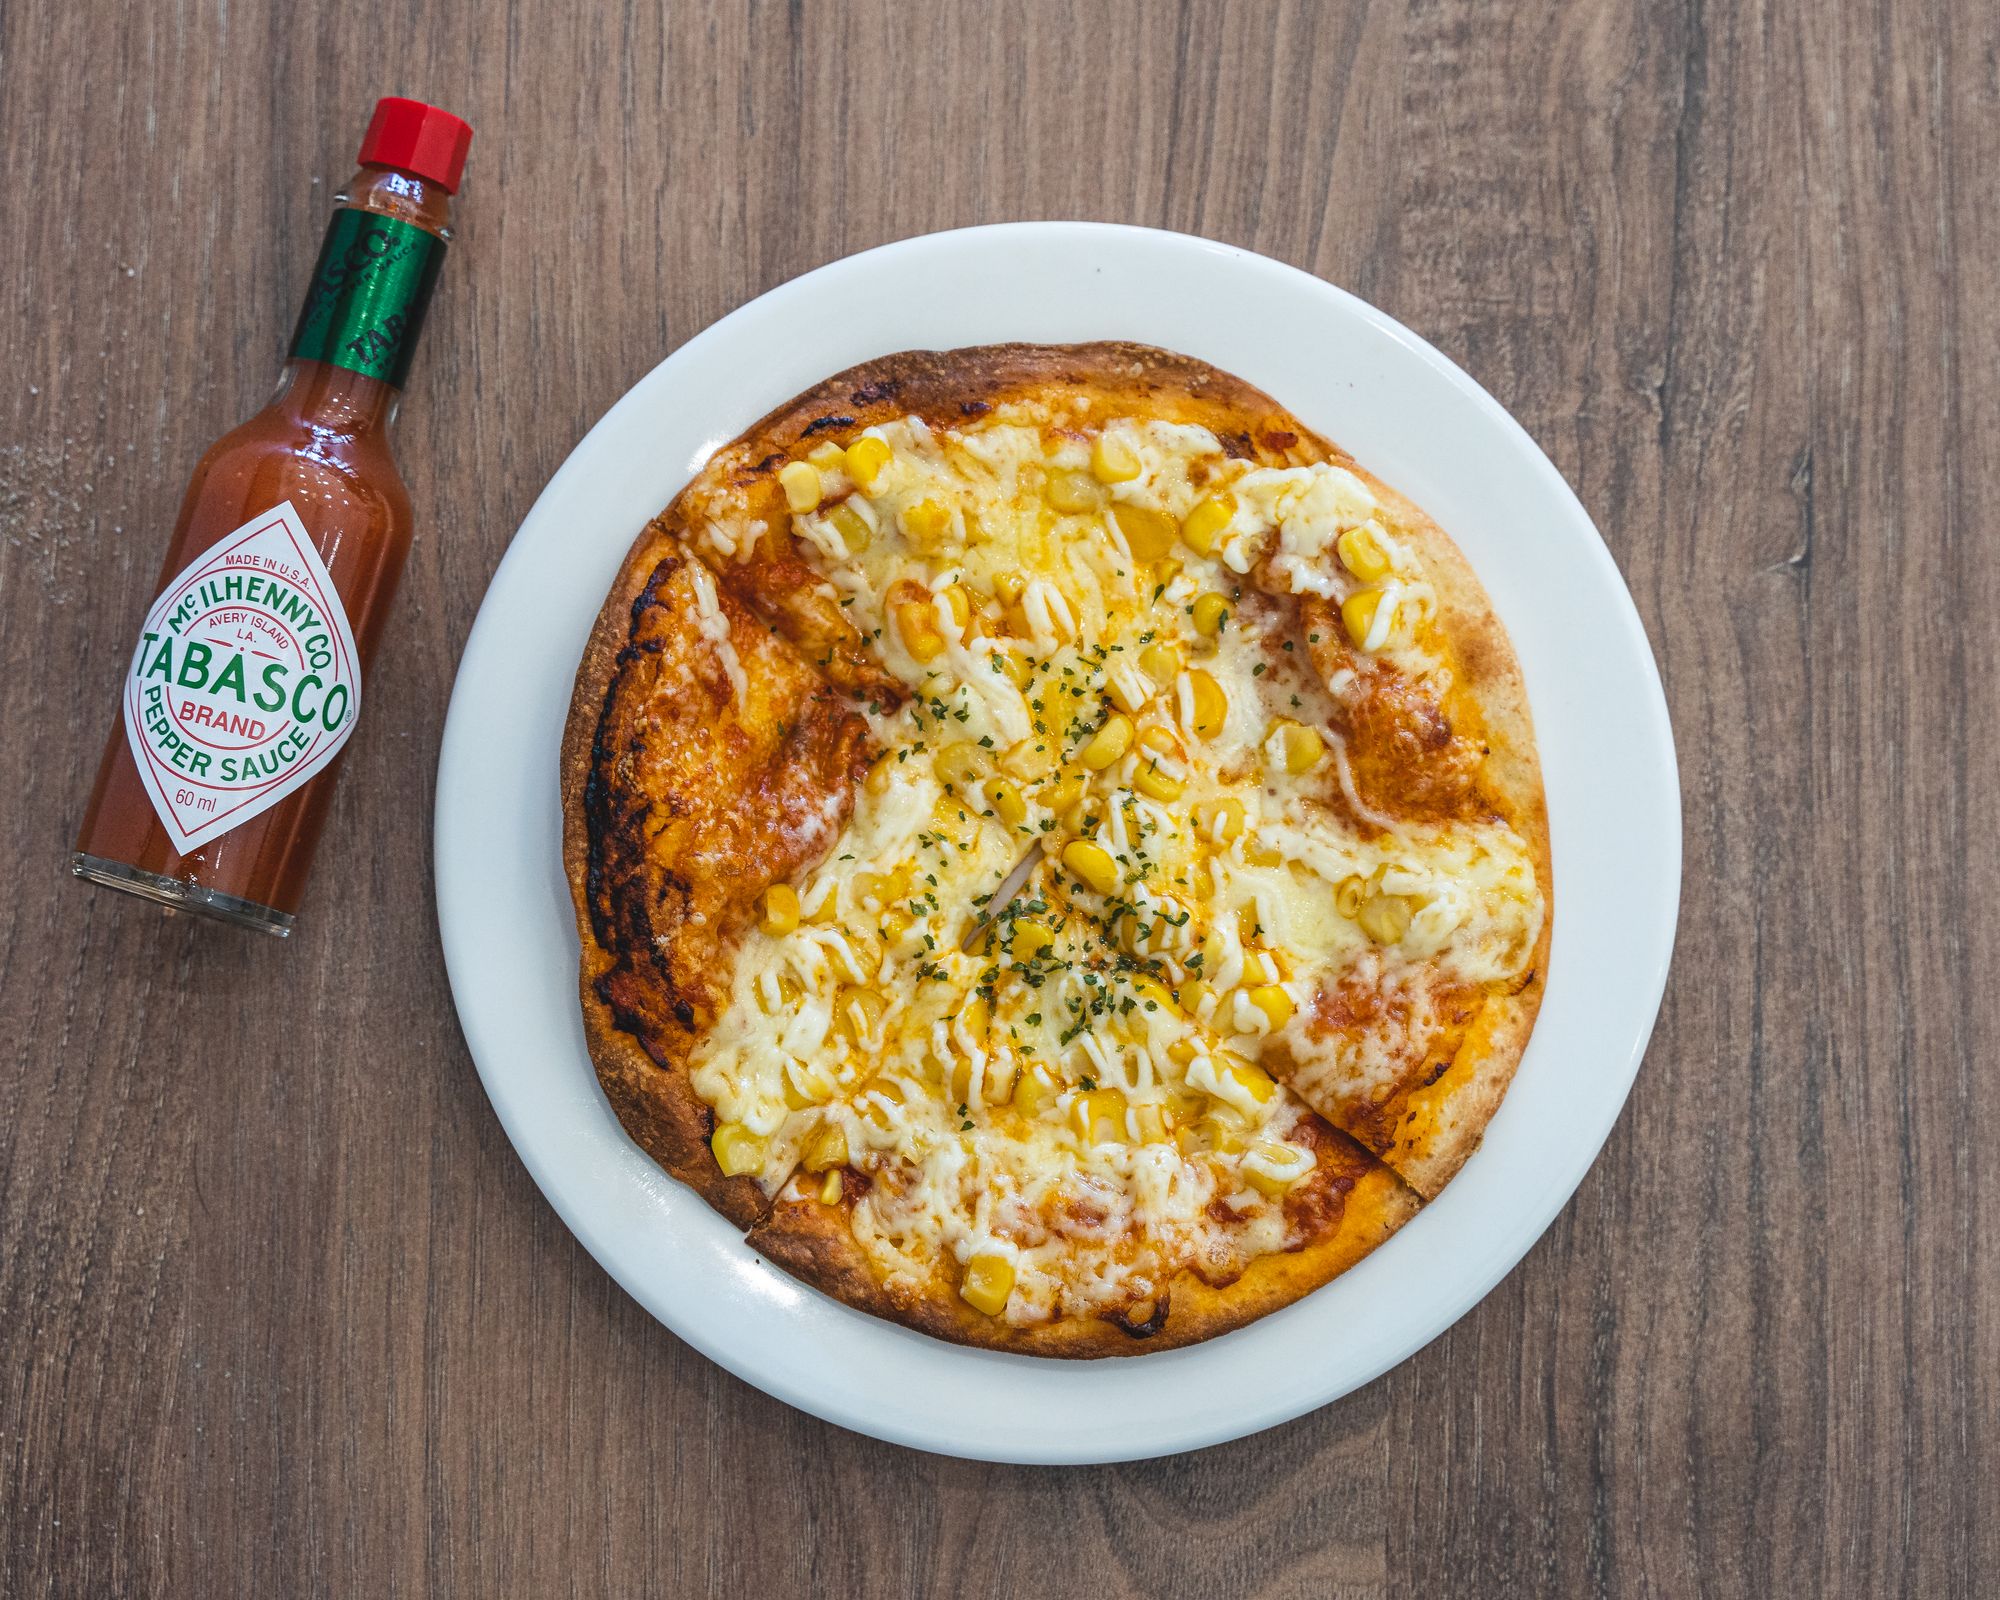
366,304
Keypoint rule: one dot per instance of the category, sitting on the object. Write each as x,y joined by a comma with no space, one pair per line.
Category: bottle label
366,304
245,683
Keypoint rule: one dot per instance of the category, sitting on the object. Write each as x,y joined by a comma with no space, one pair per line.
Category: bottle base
179,895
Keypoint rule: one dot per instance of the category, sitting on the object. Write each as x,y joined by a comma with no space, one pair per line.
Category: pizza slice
717,760
1410,1046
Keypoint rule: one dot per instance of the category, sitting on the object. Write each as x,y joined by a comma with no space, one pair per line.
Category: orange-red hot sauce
247,677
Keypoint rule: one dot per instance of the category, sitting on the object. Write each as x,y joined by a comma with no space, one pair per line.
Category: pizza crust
812,1242
1441,1124
654,1101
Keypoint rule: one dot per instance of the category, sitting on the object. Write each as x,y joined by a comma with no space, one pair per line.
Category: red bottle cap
417,138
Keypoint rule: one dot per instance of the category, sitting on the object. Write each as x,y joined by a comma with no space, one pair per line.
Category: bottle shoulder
277,455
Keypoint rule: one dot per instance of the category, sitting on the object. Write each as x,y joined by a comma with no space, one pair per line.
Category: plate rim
459,732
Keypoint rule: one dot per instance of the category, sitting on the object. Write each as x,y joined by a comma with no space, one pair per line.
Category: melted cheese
1078,1092
714,626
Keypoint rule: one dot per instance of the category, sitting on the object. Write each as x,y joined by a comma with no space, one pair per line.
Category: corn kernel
1161,662
925,522
1150,991
1362,554
960,764
1034,1090
1259,966
1129,690
1224,1128
1019,669
1009,586
787,995
1182,1051
881,775
1250,1078
855,959
1273,1184
828,456
1221,820
989,1280
1348,895
953,820
737,1149
866,458
1276,1005
1074,493
998,1088
1032,760
858,1013
1091,864
1302,746
781,910
1211,612
994,1086
876,1091
851,526
1112,460
876,887
1149,534
1195,997
895,924
1153,1123
1203,525
1211,705
1106,745
959,604
800,481
1358,612
913,621
806,1085
1028,939
1154,784
1098,1116
1006,802
1385,918
825,1149
1185,1105
829,1189
1065,792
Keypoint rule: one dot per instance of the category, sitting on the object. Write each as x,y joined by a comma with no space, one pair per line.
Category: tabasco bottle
248,673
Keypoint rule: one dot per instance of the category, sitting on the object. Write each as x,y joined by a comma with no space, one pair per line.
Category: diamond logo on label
245,683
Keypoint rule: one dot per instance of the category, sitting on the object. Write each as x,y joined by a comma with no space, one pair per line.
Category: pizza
1058,850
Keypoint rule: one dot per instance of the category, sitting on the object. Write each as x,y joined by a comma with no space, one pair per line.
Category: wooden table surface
280,1311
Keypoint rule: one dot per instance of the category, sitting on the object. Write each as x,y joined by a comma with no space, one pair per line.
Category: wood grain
280,1313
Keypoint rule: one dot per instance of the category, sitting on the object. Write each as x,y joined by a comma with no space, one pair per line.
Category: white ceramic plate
1349,372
